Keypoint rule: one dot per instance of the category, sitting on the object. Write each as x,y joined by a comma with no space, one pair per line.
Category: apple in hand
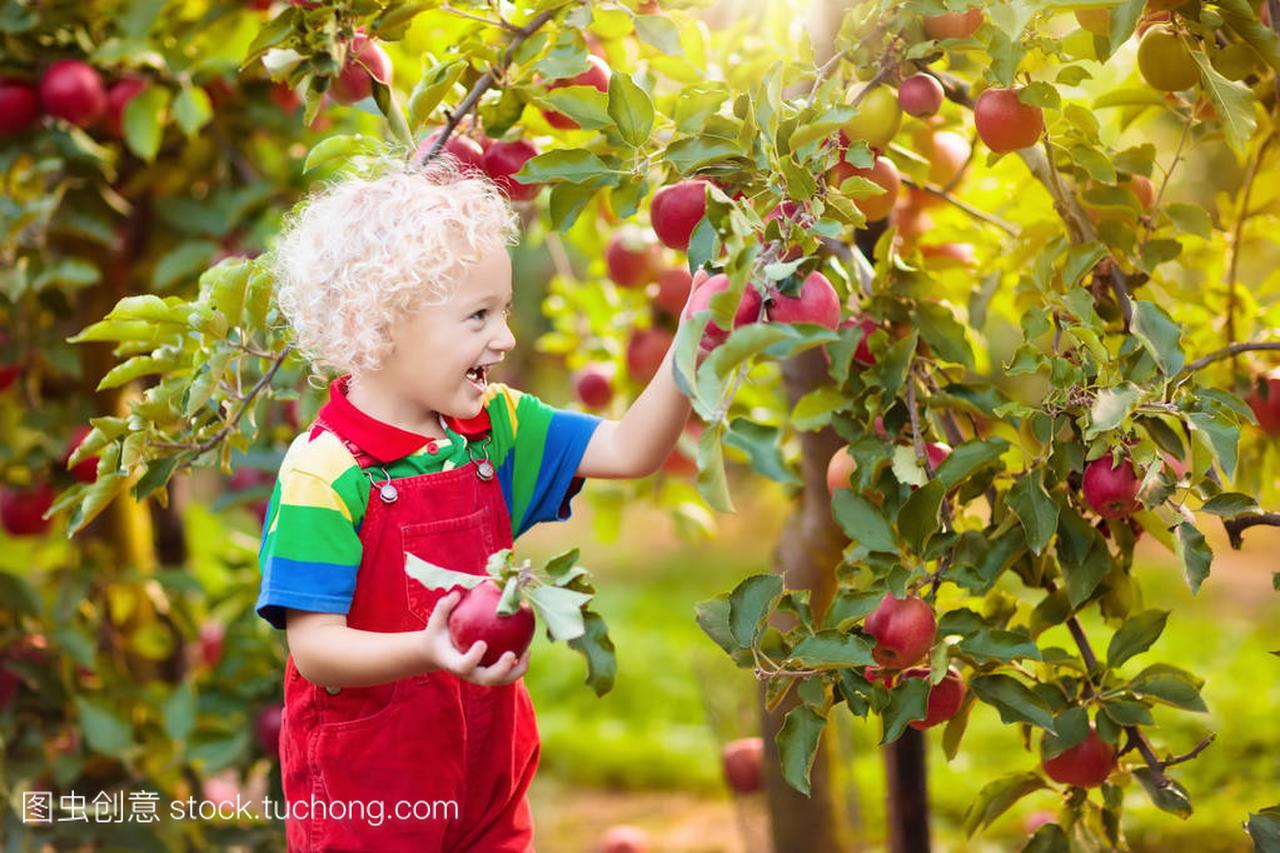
366,60
945,697
1087,764
817,302
748,309
476,618
502,160
1111,492
73,90
676,211
904,630
741,759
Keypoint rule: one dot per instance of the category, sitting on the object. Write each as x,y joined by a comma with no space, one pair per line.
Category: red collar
382,441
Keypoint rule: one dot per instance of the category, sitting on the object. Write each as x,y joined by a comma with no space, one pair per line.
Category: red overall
431,739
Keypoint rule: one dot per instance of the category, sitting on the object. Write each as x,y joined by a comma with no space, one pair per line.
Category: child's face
438,350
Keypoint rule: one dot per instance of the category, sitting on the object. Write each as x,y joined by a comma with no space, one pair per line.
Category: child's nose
505,340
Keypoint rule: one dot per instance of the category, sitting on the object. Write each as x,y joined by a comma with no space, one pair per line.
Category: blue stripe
568,435
303,585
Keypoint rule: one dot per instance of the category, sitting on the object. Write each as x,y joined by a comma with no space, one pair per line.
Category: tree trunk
807,556
908,806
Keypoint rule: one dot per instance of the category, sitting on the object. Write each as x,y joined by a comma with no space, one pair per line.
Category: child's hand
442,654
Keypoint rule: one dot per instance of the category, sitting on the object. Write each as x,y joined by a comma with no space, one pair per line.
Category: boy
393,739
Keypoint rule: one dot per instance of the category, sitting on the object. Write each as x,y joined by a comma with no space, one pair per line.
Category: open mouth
478,377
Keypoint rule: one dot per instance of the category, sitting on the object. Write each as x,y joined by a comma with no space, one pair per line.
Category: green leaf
798,745
660,32
571,165
1035,509
586,105
1191,218
710,480
567,203
813,411
919,518
1171,797
998,644
1083,576
1264,829
1014,700
832,648
106,731
1111,408
761,443
1223,435
1081,259
749,604
965,460
712,617
1230,505
943,333
997,797
1049,838
144,118
559,609
1233,101
1171,685
437,577
1126,712
341,147
180,712
594,645
631,109
863,522
1195,553
908,701
890,370
1159,334
192,109
1135,636
695,152
431,89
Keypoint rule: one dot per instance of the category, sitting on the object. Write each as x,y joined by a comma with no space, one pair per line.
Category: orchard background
994,402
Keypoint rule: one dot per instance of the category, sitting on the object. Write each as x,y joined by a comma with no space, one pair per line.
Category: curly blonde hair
368,250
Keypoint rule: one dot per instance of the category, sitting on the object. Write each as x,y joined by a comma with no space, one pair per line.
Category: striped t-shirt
311,549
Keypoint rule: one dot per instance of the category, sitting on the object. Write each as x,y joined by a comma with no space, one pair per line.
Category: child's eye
479,314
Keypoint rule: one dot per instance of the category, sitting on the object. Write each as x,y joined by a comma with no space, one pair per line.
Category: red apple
1004,123
945,697
673,289
953,25
1264,399
741,760
86,470
840,470
504,159
937,453
73,90
268,725
366,60
904,630
594,385
118,97
947,152
22,510
596,76
875,673
285,99
862,352
19,106
645,352
632,260
466,151
920,95
476,618
623,838
212,635
1111,492
1144,189
961,254
676,211
748,310
1087,764
817,302
882,173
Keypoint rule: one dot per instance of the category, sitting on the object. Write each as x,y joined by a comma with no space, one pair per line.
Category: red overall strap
364,460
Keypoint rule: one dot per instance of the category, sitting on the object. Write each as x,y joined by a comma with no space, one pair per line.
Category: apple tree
954,292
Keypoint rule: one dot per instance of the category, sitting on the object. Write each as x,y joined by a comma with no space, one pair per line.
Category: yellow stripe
512,398
300,488
325,458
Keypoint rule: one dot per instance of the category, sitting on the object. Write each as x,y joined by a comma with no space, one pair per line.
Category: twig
1237,236
1237,526
217,437
823,73
500,22
1230,351
989,218
486,81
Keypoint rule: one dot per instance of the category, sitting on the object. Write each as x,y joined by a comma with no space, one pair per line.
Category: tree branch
1229,351
1238,525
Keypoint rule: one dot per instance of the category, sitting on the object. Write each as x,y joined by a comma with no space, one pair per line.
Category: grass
678,697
